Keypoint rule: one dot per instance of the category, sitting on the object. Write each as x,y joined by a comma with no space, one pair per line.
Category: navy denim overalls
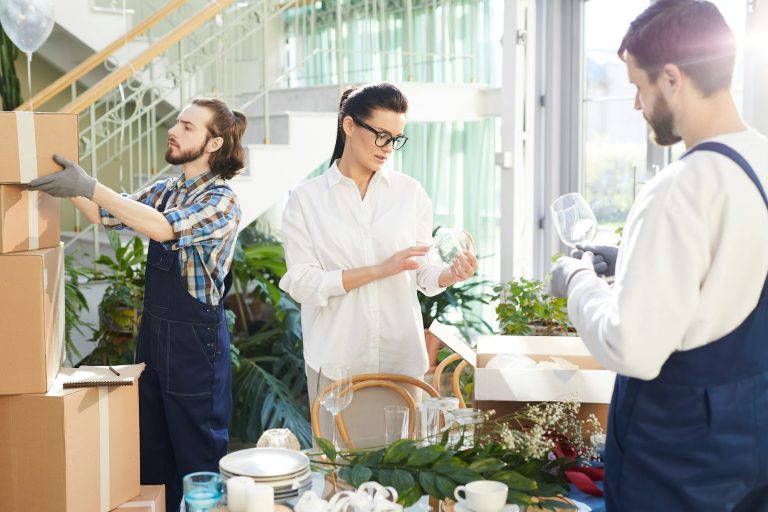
185,396
696,437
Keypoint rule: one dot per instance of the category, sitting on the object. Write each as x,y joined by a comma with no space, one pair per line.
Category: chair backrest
391,381
455,379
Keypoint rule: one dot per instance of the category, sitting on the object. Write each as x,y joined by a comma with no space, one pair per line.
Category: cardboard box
31,320
28,220
508,389
28,141
150,499
70,450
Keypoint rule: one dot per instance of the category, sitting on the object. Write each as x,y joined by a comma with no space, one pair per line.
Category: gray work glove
564,270
73,181
604,260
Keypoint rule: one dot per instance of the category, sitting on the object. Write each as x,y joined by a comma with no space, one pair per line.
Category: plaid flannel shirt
204,222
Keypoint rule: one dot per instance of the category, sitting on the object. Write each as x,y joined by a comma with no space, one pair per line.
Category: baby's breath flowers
535,430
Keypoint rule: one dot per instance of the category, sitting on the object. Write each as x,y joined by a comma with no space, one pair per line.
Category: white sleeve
634,327
427,276
306,280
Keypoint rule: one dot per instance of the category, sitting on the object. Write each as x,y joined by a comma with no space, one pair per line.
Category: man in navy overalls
185,394
685,324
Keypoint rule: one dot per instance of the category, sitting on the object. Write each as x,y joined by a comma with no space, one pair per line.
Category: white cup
236,492
483,495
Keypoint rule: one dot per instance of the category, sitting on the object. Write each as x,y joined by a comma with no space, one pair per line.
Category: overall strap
164,202
739,160
731,153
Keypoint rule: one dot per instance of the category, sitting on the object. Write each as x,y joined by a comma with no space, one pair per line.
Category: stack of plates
287,471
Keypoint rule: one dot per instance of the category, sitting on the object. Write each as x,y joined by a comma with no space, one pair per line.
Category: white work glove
564,270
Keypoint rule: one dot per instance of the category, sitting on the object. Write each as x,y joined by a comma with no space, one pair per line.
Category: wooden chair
391,381
455,379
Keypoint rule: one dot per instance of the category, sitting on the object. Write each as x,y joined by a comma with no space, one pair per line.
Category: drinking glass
336,380
202,491
574,220
396,419
468,420
447,244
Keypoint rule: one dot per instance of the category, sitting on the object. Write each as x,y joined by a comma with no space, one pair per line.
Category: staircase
219,48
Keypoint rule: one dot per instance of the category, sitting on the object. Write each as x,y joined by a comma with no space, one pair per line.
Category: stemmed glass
575,221
336,380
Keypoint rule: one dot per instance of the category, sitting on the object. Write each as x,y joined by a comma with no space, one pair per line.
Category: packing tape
25,133
59,350
103,448
33,206
139,504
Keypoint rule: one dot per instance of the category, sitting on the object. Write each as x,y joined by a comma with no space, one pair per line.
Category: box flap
458,345
541,345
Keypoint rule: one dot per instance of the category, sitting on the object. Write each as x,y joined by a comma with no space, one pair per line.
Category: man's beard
185,156
662,123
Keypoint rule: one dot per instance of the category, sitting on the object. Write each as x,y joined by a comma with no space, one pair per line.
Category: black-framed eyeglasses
383,138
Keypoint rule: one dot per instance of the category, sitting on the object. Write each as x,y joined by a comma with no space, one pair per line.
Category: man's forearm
88,208
137,216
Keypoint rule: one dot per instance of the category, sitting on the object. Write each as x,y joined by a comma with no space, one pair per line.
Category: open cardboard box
508,389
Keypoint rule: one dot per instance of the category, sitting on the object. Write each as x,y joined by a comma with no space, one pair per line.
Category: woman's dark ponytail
338,149
360,101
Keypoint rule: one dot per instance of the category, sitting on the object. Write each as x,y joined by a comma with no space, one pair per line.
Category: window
617,156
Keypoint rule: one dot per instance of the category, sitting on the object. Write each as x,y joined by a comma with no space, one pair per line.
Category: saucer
461,507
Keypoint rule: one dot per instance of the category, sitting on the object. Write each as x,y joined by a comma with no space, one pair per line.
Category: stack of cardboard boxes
61,450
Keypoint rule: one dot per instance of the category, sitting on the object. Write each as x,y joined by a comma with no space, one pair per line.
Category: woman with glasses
355,240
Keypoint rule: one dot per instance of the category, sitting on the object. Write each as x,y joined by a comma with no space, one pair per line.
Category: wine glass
335,381
447,244
574,220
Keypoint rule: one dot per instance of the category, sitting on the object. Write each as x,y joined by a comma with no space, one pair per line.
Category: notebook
89,376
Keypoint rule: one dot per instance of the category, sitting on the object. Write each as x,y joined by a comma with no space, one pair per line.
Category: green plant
456,306
120,307
525,308
74,304
518,450
10,89
269,385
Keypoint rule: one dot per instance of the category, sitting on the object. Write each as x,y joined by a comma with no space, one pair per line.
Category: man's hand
564,270
401,261
73,181
604,260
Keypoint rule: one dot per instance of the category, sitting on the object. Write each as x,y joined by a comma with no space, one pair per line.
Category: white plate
264,462
283,485
461,507
276,481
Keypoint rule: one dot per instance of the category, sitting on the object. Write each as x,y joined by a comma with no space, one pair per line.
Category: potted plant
525,309
121,306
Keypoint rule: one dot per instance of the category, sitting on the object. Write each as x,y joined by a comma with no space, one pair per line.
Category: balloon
28,23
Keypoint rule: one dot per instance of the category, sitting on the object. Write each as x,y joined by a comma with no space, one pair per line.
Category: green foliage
10,89
120,307
525,308
269,384
436,470
74,304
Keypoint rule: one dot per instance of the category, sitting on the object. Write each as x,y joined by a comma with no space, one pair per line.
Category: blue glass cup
202,491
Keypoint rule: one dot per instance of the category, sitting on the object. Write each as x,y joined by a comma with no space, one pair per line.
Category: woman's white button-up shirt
327,228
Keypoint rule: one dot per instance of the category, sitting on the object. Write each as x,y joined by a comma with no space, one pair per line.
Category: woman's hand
401,261
462,268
